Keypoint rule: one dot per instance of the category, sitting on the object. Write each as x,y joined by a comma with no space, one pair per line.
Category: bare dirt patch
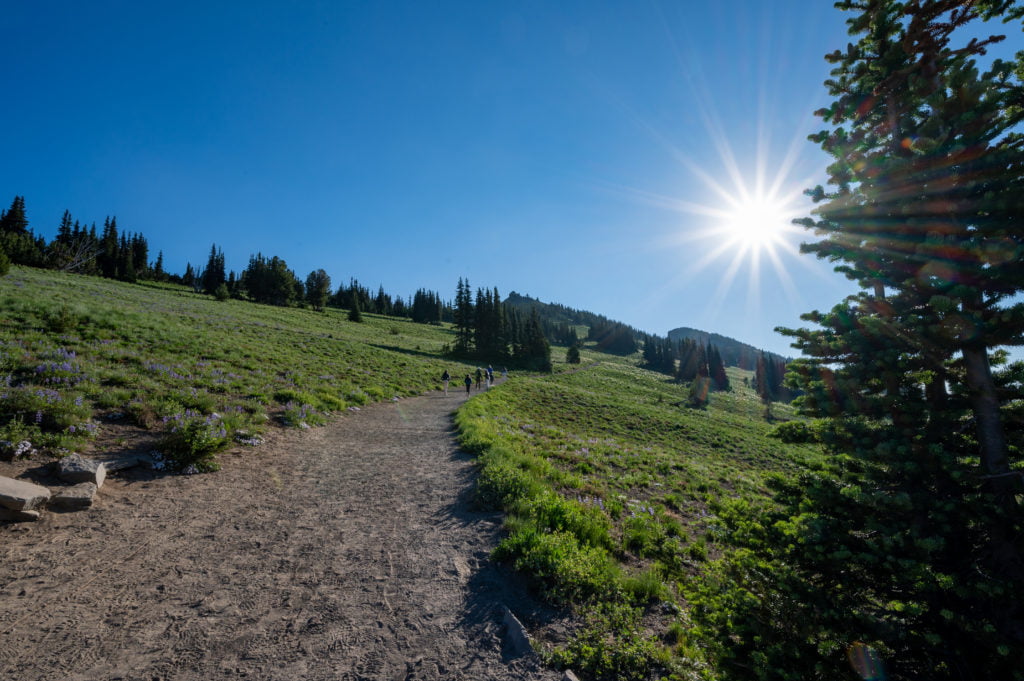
345,552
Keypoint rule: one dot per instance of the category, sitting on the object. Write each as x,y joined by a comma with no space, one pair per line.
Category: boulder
74,497
75,468
18,516
516,638
18,495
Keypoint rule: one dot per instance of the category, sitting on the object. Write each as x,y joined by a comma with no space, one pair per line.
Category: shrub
501,485
644,587
611,646
302,416
564,570
794,432
642,535
552,512
63,320
192,442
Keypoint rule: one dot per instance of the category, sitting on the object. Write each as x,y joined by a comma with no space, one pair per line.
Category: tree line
487,330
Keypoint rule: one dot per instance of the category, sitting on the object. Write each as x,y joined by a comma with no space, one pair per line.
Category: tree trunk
985,405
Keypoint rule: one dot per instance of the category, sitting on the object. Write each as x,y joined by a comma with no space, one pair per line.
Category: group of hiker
482,375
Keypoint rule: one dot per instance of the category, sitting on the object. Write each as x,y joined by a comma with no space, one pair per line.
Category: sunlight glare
756,222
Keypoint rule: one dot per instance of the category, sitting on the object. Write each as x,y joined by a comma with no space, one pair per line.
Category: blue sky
580,152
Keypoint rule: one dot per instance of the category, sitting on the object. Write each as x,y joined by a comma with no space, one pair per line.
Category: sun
756,222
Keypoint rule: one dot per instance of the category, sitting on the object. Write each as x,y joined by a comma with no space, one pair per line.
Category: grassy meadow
610,486
78,354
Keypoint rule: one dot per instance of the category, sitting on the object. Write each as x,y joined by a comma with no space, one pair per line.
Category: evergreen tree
64,229
214,275
109,249
125,263
16,240
763,383
572,355
14,220
158,267
318,289
464,318
354,314
908,541
140,255
689,361
716,369
189,278
535,352
382,303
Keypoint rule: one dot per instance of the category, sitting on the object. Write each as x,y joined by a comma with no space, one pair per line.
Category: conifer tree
354,313
318,289
572,355
109,249
189,278
535,351
214,275
464,318
716,369
14,220
64,229
140,255
907,541
158,267
17,240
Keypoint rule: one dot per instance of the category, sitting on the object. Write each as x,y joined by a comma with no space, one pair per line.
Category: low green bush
564,570
192,441
501,485
611,647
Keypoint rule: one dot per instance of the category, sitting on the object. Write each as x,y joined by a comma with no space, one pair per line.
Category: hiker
504,372
469,383
445,377
490,376
479,377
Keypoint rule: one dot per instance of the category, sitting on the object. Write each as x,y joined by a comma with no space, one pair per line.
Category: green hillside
611,489
77,352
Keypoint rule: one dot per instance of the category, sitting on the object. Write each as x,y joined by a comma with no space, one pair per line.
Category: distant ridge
734,353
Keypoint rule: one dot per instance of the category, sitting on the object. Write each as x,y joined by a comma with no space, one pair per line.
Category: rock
18,516
74,497
569,676
18,495
122,463
515,635
75,468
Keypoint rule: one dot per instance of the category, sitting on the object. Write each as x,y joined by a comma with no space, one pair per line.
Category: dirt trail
345,552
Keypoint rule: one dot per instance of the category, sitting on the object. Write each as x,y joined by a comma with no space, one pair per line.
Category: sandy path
346,552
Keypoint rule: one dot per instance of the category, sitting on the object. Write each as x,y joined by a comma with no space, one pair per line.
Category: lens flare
866,661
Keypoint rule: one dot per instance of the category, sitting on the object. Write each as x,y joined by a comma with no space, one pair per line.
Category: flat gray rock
76,468
74,497
121,463
18,495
